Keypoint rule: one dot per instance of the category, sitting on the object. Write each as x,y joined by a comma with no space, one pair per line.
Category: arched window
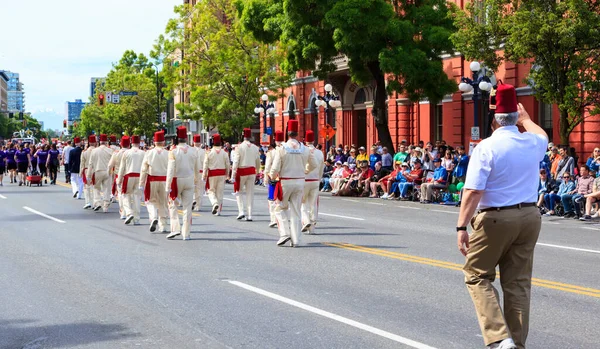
360,97
291,110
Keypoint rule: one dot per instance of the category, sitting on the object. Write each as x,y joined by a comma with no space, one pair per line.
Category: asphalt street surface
379,274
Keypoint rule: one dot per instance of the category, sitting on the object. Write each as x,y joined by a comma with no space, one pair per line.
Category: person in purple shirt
23,160
3,156
42,156
53,162
11,164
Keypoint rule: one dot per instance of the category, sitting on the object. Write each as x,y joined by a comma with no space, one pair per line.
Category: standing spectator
347,151
351,157
592,198
584,187
362,154
386,159
550,146
331,154
440,176
566,163
566,186
339,156
448,161
429,149
593,162
554,160
262,156
462,162
401,155
374,158
379,147
416,154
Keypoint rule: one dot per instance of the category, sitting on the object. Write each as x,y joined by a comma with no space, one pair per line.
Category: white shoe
273,225
123,217
248,219
87,206
128,220
173,234
384,196
240,217
215,209
153,225
306,227
282,241
596,215
508,343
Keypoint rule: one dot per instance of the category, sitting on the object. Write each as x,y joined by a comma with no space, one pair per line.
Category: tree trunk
564,127
380,114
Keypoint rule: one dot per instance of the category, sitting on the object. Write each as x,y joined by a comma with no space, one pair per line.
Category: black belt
519,206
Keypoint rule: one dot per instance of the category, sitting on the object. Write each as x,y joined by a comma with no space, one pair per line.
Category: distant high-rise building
3,92
73,110
93,83
15,93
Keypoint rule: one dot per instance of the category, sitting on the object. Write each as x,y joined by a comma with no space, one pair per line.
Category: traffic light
101,99
64,123
11,115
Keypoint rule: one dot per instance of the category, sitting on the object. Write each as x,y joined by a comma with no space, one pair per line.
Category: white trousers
185,193
88,191
246,187
215,193
102,189
310,206
272,205
132,201
157,204
77,185
289,209
199,193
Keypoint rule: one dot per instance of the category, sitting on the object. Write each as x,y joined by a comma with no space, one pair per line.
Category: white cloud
57,46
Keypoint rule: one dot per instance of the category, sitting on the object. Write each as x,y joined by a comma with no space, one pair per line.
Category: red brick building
450,120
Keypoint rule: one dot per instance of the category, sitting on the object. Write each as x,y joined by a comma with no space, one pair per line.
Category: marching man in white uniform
310,201
246,161
290,164
98,172
153,180
271,184
216,167
129,180
199,192
88,190
182,171
113,167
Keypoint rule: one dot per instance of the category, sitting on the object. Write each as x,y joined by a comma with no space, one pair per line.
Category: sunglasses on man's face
567,177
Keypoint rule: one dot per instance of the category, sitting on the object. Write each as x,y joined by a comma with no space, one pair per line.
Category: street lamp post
481,85
330,102
158,119
267,108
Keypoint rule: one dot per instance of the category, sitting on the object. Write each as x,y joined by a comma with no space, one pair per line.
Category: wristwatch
460,229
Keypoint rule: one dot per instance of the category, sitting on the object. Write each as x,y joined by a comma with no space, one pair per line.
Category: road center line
444,211
339,216
569,248
409,207
2,197
332,316
350,200
375,203
43,214
228,199
590,228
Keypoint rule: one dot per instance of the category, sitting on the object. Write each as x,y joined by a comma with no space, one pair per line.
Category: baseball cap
361,148
338,162
398,162
404,164
437,160
345,164
417,160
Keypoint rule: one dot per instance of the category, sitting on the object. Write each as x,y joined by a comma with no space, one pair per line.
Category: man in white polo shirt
501,184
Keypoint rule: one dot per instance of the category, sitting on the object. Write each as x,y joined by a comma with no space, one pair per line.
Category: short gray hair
507,119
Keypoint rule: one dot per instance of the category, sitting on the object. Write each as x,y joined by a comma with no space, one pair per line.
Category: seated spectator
571,199
567,185
362,154
545,186
387,161
439,181
378,174
335,176
337,183
387,181
593,162
414,177
327,172
590,199
374,158
350,186
365,176
401,178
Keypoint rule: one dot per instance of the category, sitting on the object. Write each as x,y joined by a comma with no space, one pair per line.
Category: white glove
141,188
232,180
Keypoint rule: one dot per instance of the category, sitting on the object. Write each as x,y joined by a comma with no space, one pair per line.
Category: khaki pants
132,201
288,209
102,189
157,204
427,190
310,204
247,188
215,193
199,193
185,188
506,238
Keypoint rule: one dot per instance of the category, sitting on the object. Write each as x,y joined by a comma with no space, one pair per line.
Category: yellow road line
585,291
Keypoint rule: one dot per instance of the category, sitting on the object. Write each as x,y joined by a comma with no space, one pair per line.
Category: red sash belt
289,178
93,179
152,179
214,173
174,189
126,180
278,193
242,171
84,176
114,186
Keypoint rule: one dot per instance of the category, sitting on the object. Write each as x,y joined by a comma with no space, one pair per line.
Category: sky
57,46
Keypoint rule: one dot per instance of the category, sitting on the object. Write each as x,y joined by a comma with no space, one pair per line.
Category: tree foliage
210,57
8,126
134,114
397,44
561,38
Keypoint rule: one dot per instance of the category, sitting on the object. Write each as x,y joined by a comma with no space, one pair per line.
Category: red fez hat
113,139
135,139
76,140
103,138
247,133
159,136
197,139
310,136
292,126
181,132
92,139
216,138
125,141
279,136
506,99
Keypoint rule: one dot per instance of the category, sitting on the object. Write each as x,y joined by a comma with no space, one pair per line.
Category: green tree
133,114
397,44
560,38
209,57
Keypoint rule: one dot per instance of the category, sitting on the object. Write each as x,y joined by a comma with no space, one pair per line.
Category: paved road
380,274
